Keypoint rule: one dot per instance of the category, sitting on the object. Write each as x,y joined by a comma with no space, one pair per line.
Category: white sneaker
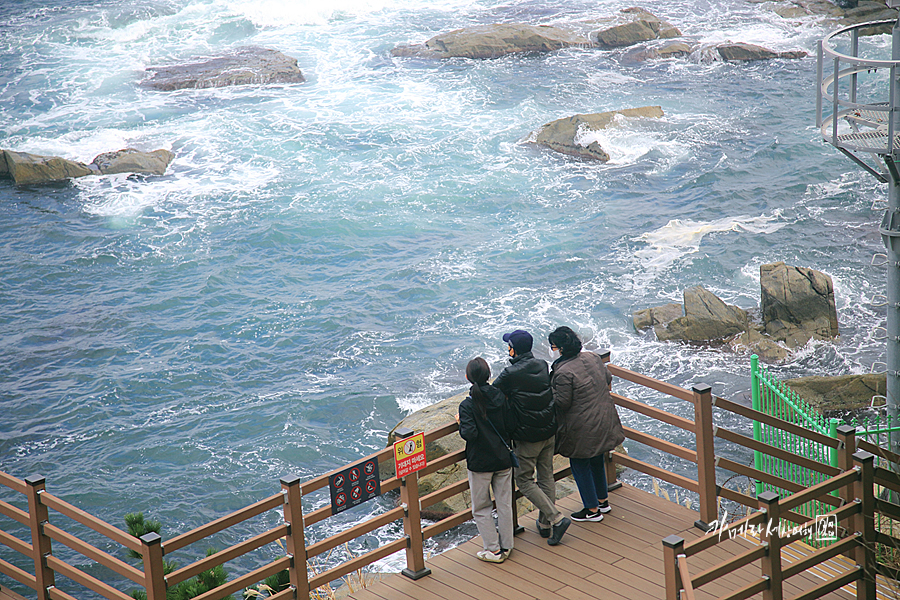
488,556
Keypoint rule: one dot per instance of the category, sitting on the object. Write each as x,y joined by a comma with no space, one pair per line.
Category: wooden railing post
706,457
296,540
865,552
672,547
612,482
412,521
846,435
771,562
154,569
38,515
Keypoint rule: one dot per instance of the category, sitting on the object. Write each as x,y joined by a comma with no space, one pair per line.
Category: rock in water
130,160
840,392
797,304
248,65
664,50
659,315
706,319
641,26
26,168
493,41
564,135
743,52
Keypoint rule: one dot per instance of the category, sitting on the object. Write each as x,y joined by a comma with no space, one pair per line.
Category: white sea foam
626,141
679,238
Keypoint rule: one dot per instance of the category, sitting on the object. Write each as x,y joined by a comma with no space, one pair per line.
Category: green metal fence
777,399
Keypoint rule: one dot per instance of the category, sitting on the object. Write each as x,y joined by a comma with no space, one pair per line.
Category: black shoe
559,530
587,515
604,507
545,532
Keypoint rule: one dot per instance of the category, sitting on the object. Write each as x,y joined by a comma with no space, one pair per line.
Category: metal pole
757,406
890,234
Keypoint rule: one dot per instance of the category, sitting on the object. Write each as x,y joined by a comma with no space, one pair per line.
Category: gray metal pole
890,234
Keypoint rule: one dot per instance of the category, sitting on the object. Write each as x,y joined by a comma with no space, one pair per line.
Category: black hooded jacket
526,383
485,451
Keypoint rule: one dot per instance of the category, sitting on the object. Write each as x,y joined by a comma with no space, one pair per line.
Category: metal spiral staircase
858,112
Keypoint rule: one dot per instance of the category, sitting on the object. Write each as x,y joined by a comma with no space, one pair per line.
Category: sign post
409,454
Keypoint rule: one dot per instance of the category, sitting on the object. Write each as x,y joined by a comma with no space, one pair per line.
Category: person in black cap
526,384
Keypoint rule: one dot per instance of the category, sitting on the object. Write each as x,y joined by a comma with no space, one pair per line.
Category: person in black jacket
485,423
526,384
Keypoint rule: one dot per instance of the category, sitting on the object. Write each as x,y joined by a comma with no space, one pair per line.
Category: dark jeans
590,477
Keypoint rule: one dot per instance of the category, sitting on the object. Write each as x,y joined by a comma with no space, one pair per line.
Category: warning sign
409,454
354,485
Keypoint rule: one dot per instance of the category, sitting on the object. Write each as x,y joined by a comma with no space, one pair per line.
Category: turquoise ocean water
323,258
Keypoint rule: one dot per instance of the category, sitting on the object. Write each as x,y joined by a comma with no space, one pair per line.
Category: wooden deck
621,557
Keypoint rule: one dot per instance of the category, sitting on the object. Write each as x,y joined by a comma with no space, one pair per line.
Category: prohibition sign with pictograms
354,485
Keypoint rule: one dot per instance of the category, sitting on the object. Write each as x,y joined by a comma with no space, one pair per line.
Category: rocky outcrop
493,41
639,26
566,135
130,160
438,415
659,315
839,393
706,319
840,14
727,51
244,66
742,52
28,169
31,169
797,304
665,50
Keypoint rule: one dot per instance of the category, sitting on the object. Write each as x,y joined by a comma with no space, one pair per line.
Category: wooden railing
287,504
856,485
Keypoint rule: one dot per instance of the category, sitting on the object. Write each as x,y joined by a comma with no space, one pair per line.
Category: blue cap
520,340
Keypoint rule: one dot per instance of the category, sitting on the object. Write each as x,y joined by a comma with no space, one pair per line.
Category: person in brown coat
589,425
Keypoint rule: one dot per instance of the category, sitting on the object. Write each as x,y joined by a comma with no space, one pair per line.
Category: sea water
320,259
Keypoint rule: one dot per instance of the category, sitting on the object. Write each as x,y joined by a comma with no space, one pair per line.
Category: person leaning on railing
526,384
588,423
485,423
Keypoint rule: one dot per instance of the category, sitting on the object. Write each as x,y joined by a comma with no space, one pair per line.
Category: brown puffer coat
588,421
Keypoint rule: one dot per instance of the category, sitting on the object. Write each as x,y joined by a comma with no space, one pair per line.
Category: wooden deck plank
478,579
618,558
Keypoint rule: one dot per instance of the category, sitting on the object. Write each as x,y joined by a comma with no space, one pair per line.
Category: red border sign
409,454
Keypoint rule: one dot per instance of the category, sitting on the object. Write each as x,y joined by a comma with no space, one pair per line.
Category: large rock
706,319
247,65
30,169
493,41
564,135
797,304
639,26
664,50
437,415
756,342
839,393
25,169
130,160
743,52
658,315
840,14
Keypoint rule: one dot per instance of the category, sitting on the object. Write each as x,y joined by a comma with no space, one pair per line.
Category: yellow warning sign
409,454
